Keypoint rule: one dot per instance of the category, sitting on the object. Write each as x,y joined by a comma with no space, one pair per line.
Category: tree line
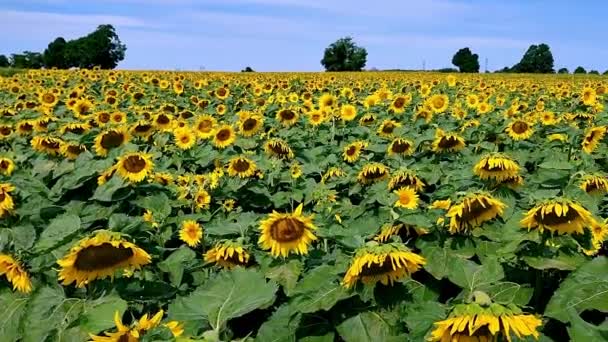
345,55
101,48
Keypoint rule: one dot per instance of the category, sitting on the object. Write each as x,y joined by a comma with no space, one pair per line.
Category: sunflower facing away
496,166
594,184
286,233
519,130
135,167
472,211
400,146
447,142
138,329
111,139
404,231
242,167
228,254
372,173
405,178
473,322
382,263
15,273
99,257
278,148
562,216
191,233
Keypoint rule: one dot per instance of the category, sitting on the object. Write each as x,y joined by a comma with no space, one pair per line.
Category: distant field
369,206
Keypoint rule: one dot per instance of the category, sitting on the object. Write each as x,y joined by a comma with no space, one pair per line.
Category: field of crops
160,206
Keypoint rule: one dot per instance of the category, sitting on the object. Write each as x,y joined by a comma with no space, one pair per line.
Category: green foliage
538,59
55,54
344,55
466,61
248,69
563,71
27,60
580,70
4,62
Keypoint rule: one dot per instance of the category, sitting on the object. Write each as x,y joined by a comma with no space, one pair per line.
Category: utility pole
423,65
486,67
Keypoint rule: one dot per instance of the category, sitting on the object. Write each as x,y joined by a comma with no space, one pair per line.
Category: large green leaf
585,288
158,204
419,317
320,289
365,327
98,315
175,262
59,230
12,307
280,327
43,315
582,331
286,275
113,190
470,275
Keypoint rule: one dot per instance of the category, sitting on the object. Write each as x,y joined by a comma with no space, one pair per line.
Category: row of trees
101,48
345,55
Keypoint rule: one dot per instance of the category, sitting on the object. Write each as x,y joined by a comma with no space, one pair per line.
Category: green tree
4,62
54,55
563,71
466,61
101,48
247,69
538,59
27,60
580,70
593,72
344,55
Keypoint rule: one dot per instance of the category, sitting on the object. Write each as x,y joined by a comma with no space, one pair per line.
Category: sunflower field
183,206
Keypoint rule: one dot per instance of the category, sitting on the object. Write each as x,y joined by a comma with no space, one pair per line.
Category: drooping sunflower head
352,151
242,167
404,231
400,146
110,139
138,329
385,263
15,273
331,173
496,166
519,129
224,136
142,128
592,138
474,322
372,173
405,178
473,210
163,121
284,233
447,142
561,216
278,148
228,254
46,144
69,150
387,127
98,257
591,184
135,167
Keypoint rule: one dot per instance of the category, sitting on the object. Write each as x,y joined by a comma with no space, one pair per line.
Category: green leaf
320,289
110,191
419,317
98,315
286,275
12,306
365,327
437,261
562,262
43,314
174,264
280,327
158,204
470,275
508,292
584,289
329,337
59,230
24,236
581,331
228,295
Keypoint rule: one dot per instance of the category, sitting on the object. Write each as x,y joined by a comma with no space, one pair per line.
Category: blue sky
290,35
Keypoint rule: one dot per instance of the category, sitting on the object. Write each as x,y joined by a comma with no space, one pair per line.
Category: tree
247,69
4,62
538,59
580,70
605,72
466,61
101,48
563,71
54,55
344,55
27,60
503,70
593,72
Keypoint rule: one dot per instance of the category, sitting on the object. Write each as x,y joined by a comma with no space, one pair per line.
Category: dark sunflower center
138,96
351,150
111,100
241,165
374,174
48,98
104,117
118,117
134,164
279,149
5,131
520,127
205,125
2,196
186,115
551,218
4,164
163,120
438,102
26,127
368,119
169,109
400,146
591,136
287,229
376,269
260,102
75,149
112,140
223,135
388,128
287,115
399,103
475,209
75,130
185,138
448,142
50,144
103,256
143,128
249,124
221,92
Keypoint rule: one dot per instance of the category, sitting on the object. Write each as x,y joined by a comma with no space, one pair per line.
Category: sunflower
473,210
184,138
70,150
367,119
205,126
332,172
562,216
474,322
242,167
25,127
513,181
406,198
287,116
472,101
591,184
352,151
46,144
348,112
250,125
102,118
142,128
327,101
439,103
447,142
135,167
137,330
75,128
592,138
163,121
404,231
222,93
399,103
82,108
286,233
589,96
296,170
441,204
400,146
118,117
496,166
191,233
48,98
163,178
372,172
599,234
99,257
548,118
202,199
557,137
6,166
316,117
405,178
278,148
224,136
110,139
5,132
385,263
519,129
228,255
15,273
387,127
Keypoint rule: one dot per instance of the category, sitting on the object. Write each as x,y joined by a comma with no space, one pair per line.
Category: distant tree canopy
538,59
100,48
563,71
247,69
580,70
4,62
344,55
466,61
593,72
